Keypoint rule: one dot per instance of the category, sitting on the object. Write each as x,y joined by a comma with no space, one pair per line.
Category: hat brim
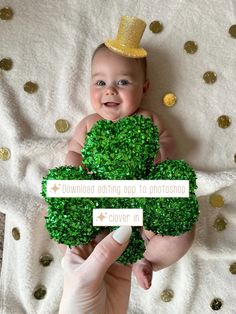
125,51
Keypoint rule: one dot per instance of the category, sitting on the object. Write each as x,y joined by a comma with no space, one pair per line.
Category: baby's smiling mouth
111,104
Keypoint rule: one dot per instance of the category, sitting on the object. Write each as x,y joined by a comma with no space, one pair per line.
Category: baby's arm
170,249
161,251
73,156
167,144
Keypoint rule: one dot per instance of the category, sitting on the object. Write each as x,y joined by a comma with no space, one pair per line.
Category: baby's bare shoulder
145,113
152,115
86,123
92,119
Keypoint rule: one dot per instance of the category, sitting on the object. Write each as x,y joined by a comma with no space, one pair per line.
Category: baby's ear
146,86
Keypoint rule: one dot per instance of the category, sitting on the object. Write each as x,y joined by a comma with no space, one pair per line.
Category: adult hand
93,283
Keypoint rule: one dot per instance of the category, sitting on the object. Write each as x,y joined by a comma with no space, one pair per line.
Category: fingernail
122,234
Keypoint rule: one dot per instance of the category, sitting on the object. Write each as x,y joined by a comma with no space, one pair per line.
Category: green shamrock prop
124,150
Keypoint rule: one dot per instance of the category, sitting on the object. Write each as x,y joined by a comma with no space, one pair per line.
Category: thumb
108,250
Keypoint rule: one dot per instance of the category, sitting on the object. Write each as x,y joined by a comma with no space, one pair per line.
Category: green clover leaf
124,150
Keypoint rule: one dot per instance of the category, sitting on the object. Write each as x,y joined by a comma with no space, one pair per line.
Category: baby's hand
143,273
163,251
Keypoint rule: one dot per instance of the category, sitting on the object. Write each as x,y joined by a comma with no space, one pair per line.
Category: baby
117,87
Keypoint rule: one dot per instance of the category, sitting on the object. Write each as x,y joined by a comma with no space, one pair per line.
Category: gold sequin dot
6,13
40,292
6,64
5,153
216,200
169,99
167,295
220,224
62,125
224,121
209,77
156,27
232,268
30,87
16,233
190,47
216,304
232,31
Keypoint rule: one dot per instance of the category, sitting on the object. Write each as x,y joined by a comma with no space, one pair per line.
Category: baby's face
117,85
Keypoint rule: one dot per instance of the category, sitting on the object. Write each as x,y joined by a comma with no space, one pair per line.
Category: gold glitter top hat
127,41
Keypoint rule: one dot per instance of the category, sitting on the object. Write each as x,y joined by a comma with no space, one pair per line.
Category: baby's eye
100,83
122,82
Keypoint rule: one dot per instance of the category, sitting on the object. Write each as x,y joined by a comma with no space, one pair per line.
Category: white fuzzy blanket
51,42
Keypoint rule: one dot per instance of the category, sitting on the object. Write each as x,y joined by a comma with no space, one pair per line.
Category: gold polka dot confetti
220,224
216,304
232,31
5,153
6,64
45,259
62,125
40,292
16,234
190,47
224,121
30,87
156,27
210,77
167,295
6,14
169,99
232,268
216,200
